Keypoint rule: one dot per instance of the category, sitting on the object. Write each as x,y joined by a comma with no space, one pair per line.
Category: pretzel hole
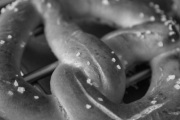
140,82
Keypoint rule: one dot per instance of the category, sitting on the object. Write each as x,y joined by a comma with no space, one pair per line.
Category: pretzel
161,101
71,80
88,84
119,13
19,100
143,42
88,53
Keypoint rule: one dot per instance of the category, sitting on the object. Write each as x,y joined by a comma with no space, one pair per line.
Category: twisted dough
90,81
160,103
143,42
88,53
19,100
71,81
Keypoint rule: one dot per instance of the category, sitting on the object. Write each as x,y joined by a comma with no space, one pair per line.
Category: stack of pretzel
90,81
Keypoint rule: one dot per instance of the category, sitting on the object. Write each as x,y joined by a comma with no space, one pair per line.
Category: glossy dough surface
89,83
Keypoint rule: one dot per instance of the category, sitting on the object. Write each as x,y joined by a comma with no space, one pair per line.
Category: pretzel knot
89,82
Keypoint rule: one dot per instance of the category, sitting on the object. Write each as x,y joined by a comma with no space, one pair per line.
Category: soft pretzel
143,42
161,102
71,80
90,81
121,13
89,54
19,100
